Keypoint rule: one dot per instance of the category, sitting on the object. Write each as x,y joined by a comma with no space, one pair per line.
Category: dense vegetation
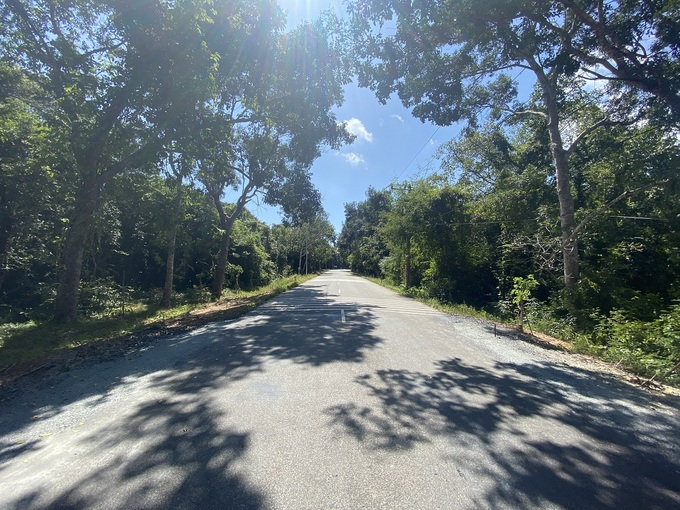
562,207
133,138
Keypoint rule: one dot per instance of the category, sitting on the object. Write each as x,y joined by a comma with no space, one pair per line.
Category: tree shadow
549,434
172,446
166,454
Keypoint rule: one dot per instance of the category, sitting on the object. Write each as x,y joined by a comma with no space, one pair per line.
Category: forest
560,210
123,130
135,136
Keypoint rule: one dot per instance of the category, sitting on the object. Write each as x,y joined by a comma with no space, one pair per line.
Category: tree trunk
66,302
169,270
566,201
221,267
302,247
226,224
6,227
562,173
172,242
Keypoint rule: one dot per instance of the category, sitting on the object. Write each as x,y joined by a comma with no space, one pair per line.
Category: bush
651,349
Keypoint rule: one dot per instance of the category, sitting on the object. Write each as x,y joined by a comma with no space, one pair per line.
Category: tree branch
538,113
602,122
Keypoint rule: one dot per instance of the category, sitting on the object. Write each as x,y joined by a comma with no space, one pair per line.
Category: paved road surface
338,394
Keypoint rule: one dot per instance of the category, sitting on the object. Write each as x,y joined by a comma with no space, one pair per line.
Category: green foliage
484,233
39,339
521,289
521,294
360,242
649,348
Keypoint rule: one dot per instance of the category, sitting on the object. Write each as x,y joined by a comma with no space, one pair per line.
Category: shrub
651,349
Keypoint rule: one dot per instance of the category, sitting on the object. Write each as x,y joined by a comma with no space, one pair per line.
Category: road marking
342,314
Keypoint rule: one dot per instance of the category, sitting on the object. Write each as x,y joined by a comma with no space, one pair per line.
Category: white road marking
342,314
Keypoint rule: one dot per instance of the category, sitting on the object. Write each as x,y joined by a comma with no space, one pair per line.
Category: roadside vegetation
133,140
558,209
647,350
35,341
558,206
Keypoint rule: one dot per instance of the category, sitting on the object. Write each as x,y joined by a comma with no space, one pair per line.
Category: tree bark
172,242
300,260
562,173
169,270
226,224
566,201
66,303
221,266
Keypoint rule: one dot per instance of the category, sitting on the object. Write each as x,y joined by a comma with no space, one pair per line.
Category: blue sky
391,145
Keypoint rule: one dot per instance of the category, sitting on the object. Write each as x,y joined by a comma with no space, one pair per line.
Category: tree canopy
453,60
126,82
124,127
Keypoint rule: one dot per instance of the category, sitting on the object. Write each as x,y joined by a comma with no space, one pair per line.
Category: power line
414,157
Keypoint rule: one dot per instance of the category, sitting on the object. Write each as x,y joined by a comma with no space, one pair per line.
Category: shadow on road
171,448
588,446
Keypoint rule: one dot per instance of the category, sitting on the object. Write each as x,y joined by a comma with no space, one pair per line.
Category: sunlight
301,10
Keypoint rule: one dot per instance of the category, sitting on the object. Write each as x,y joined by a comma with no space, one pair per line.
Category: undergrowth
648,349
22,342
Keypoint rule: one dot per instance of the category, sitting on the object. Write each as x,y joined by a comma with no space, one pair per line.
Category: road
338,394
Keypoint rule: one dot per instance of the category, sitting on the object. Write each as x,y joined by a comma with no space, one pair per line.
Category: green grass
20,343
450,308
534,325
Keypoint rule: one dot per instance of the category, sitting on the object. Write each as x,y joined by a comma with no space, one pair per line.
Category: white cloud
353,158
357,128
398,117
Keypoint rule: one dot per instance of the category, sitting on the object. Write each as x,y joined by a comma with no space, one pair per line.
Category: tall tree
628,42
251,163
258,141
360,242
122,77
177,169
451,61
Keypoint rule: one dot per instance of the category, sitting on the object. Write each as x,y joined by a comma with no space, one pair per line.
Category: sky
391,145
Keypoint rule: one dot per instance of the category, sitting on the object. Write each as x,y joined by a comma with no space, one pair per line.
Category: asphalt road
338,394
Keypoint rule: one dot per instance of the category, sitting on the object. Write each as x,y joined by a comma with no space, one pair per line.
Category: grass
450,308
26,342
541,331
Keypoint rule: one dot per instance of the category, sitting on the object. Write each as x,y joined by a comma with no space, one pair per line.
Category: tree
510,180
251,163
33,194
630,43
314,241
122,77
177,170
360,242
264,145
450,61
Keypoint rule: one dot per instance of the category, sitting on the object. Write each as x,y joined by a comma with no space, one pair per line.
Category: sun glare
301,10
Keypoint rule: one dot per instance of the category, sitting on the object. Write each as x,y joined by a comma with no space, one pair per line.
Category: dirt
552,343
121,346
